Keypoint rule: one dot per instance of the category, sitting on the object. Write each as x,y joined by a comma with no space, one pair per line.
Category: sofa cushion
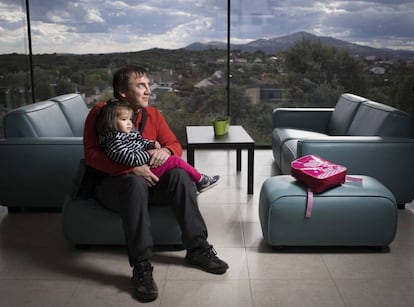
40,119
373,118
288,153
75,110
344,112
282,135
86,222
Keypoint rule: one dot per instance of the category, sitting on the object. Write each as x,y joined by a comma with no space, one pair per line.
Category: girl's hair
121,77
107,115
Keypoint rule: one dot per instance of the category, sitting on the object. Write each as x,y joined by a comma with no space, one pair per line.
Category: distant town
191,83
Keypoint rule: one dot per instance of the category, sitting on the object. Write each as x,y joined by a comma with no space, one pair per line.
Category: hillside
274,45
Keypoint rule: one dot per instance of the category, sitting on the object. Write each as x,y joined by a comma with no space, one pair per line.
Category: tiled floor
39,268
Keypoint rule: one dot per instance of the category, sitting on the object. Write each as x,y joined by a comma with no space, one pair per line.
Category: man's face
138,91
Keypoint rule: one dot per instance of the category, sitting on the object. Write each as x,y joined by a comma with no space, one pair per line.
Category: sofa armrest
38,172
390,160
313,119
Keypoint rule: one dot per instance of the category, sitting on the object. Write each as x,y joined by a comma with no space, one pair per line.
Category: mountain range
274,45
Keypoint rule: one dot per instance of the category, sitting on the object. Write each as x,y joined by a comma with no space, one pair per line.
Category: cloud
379,26
11,16
130,25
384,22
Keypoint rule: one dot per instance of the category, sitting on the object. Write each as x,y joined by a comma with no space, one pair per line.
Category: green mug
221,125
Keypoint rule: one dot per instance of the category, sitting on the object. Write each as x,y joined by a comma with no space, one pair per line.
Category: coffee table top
199,135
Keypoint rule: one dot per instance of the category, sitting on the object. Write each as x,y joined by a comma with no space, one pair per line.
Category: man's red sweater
156,128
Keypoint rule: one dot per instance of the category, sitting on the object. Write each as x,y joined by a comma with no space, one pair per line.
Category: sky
105,26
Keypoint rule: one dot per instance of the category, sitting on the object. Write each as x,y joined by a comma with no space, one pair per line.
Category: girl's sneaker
207,182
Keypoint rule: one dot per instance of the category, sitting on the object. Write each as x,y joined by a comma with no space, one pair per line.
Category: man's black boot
145,289
205,258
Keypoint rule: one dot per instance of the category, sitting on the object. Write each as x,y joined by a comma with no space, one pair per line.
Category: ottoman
85,223
353,214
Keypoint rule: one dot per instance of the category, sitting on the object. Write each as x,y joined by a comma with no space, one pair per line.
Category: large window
15,89
282,53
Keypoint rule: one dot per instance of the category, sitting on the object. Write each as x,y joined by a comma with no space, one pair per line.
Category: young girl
125,145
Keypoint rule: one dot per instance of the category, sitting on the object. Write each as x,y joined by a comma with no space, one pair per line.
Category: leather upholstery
40,152
352,214
373,118
75,111
41,119
344,113
85,222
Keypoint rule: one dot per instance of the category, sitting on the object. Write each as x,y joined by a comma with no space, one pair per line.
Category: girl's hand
157,145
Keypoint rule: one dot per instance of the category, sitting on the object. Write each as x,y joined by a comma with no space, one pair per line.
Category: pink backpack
318,175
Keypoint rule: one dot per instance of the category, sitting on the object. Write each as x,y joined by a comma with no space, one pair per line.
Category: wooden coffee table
202,137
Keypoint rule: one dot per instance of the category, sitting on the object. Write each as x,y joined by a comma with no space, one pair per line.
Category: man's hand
145,172
159,156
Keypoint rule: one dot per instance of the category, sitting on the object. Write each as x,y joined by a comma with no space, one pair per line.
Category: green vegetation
308,74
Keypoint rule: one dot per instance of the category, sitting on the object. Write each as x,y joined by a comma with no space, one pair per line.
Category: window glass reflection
14,64
283,53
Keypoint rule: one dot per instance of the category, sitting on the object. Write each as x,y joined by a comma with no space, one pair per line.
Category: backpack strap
353,179
143,120
309,200
309,204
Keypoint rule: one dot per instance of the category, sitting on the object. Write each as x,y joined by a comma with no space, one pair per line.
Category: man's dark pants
130,196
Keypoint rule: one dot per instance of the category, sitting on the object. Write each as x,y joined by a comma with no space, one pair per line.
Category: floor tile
366,266
36,293
306,293
377,292
224,226
275,265
207,293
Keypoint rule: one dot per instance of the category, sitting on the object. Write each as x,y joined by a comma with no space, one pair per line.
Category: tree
402,90
168,102
318,73
210,101
64,86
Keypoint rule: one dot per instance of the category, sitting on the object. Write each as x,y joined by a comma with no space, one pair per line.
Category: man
130,190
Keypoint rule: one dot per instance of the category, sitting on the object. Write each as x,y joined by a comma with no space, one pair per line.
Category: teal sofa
40,152
40,167
367,137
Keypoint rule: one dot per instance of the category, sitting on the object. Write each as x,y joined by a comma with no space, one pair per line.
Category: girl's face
124,120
